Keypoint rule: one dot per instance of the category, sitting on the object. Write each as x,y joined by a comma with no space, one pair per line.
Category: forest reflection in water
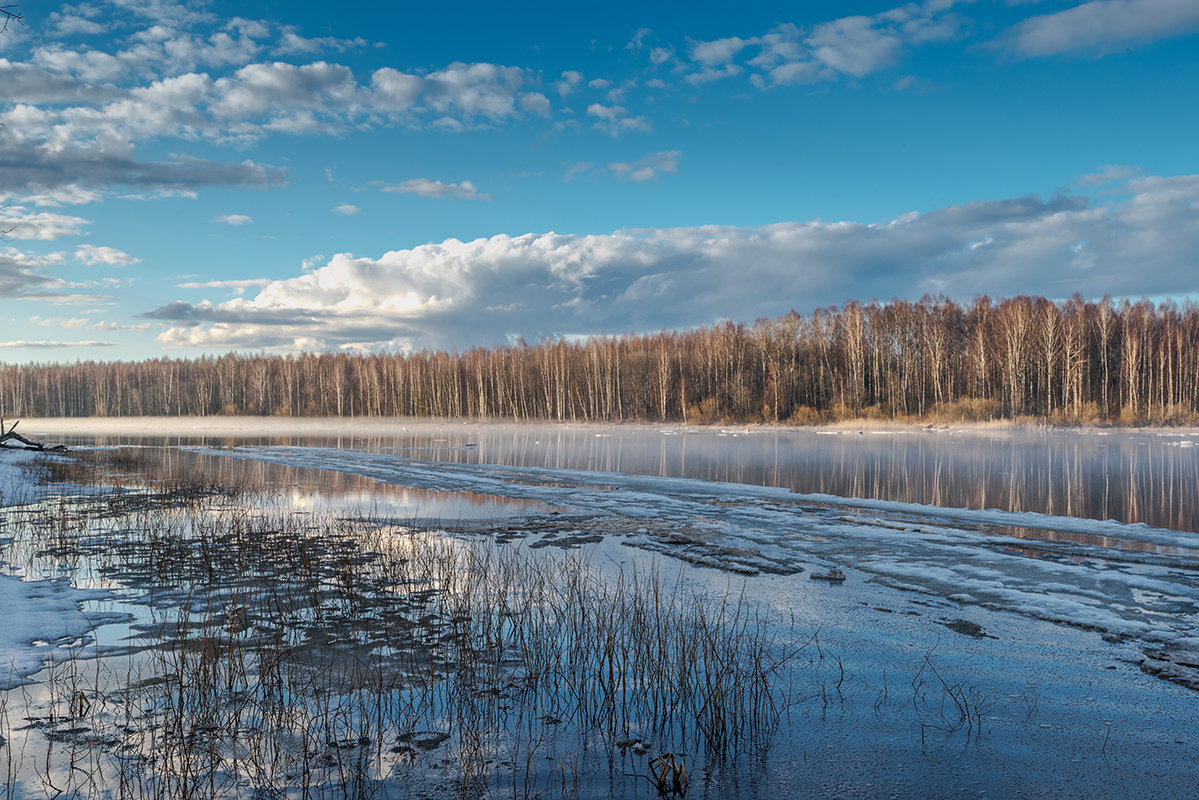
1130,476
308,489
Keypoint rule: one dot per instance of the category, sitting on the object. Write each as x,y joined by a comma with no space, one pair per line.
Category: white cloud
30,83
292,43
638,41
474,89
69,195
75,113
283,89
21,223
851,46
347,210
91,254
164,12
1103,25
235,219
569,83
647,168
577,169
709,74
76,20
60,322
33,168
616,120
251,28
49,345
119,326
535,103
23,277
791,73
719,51
1112,173
11,255
455,294
854,45
427,188
247,283
394,91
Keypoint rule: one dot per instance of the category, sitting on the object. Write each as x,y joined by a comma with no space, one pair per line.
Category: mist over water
1133,477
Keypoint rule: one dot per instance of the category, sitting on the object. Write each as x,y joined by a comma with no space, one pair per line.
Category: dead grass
284,654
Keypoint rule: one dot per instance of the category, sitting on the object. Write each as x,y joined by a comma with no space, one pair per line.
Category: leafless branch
8,14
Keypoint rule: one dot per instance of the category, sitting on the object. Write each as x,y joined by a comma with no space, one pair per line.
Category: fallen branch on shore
9,435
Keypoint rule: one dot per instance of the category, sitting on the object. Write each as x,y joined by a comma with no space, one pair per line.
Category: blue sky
199,178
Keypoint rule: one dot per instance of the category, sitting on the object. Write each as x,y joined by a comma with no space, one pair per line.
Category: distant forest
1085,362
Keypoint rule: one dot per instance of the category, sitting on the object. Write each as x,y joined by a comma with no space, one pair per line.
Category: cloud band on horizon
456,294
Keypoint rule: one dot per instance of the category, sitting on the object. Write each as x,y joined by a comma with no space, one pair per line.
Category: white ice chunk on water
42,612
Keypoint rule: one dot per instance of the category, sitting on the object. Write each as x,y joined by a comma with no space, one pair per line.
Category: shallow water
1043,540
1083,528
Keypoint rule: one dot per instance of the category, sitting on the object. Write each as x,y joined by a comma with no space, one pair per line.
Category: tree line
1074,361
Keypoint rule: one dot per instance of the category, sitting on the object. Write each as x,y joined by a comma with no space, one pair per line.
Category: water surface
1126,476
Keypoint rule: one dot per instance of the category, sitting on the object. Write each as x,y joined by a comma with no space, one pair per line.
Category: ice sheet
38,616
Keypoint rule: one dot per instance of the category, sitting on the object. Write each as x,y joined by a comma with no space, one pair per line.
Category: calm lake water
1150,478
1035,577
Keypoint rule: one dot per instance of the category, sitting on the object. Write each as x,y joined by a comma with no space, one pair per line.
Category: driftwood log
7,436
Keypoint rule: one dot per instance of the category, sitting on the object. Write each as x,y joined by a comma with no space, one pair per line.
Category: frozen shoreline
40,612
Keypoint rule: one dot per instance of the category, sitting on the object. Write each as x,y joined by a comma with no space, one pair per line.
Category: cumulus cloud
455,294
70,323
851,46
235,220
165,12
535,103
569,83
91,254
21,223
718,51
1101,26
1112,173
76,113
427,188
280,89
615,120
120,326
638,41
474,89
31,168
33,83
76,20
292,43
69,195
347,210
854,45
709,74
23,277
647,168
19,273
